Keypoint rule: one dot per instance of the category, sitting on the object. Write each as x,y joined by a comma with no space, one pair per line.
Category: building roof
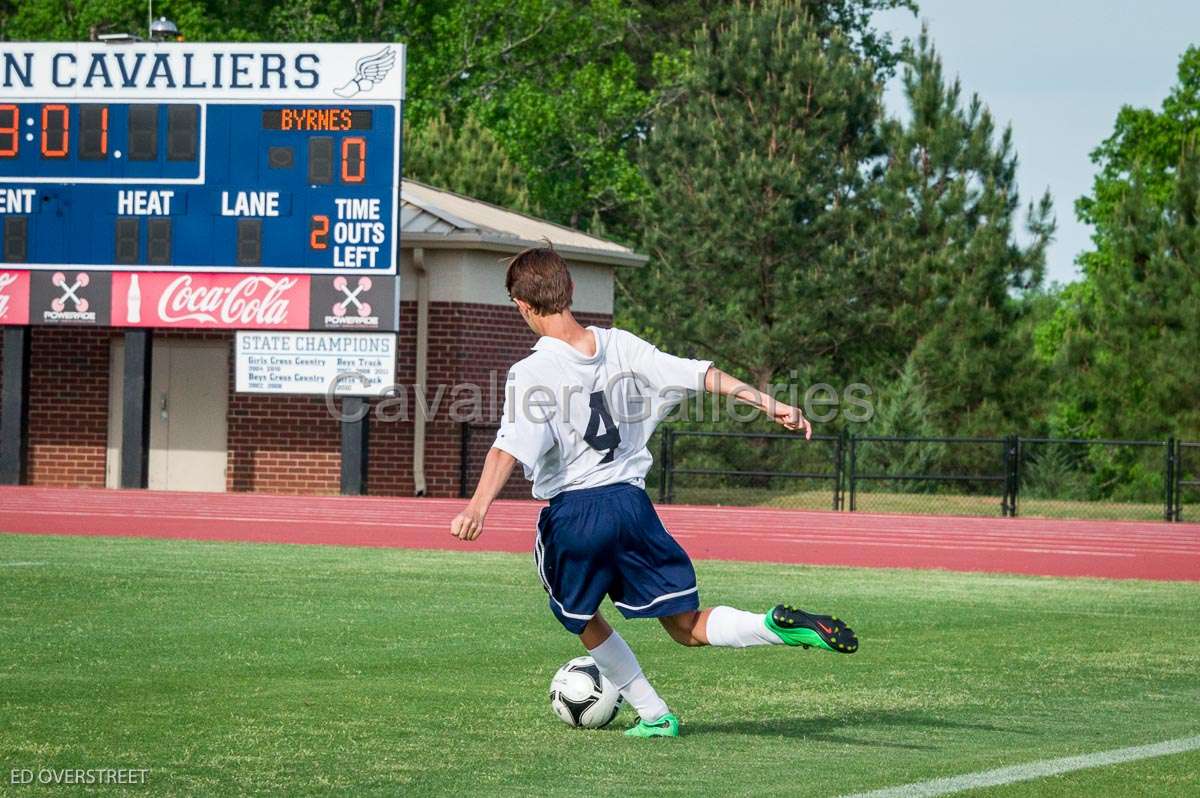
433,218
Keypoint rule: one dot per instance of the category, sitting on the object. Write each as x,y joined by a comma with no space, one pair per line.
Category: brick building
456,327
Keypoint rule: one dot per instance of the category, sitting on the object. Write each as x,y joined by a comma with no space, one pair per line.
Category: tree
1123,342
468,160
549,78
1145,145
949,278
1126,339
665,26
794,230
756,191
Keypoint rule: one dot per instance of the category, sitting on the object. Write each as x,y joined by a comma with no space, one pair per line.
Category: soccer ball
581,697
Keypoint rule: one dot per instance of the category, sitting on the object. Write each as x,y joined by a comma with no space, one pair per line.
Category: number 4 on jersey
610,438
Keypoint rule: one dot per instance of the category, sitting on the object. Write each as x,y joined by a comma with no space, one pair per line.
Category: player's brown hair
539,277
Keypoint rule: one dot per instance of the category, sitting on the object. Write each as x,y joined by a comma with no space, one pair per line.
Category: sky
1058,71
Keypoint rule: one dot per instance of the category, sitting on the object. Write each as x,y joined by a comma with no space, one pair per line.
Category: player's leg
784,625
574,556
657,580
687,628
617,663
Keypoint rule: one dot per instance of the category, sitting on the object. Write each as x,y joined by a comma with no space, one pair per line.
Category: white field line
372,517
947,543
997,531
1164,544
1048,548
1165,547
1032,770
915,545
21,564
177,500
337,505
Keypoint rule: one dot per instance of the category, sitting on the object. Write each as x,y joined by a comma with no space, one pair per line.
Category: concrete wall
477,277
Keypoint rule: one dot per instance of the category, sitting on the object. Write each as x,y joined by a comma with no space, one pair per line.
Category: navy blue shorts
609,541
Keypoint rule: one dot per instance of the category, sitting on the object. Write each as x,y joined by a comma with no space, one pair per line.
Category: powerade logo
70,306
353,302
70,297
352,308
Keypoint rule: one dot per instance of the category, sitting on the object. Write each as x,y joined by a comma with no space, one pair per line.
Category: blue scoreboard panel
158,157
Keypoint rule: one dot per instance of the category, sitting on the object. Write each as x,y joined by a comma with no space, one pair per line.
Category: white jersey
578,422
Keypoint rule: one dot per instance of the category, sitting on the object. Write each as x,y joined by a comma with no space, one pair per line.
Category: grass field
239,668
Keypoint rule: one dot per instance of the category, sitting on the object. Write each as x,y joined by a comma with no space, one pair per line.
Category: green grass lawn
239,668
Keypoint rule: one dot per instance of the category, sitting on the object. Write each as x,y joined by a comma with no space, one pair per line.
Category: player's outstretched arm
718,382
468,524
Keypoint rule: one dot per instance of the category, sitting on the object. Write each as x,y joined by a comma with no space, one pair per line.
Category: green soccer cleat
798,628
666,726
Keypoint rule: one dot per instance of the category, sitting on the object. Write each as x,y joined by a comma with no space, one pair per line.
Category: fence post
1012,474
1169,491
853,466
837,470
1179,467
464,458
1006,468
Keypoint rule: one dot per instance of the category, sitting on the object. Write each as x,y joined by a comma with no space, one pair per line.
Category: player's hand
467,525
791,418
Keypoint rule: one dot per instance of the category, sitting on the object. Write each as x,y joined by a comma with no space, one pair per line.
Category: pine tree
1124,341
756,186
792,228
946,265
468,160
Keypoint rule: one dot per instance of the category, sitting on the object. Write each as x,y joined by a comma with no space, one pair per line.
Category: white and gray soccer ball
581,697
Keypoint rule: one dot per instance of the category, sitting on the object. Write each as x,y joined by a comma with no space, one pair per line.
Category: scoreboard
226,185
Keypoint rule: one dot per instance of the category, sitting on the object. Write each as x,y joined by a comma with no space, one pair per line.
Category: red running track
1115,549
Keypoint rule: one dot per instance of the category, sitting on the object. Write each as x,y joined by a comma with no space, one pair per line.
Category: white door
189,400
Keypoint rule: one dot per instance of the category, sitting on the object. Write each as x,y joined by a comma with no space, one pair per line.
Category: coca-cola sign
217,301
14,297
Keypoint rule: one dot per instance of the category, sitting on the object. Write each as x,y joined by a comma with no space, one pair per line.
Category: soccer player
578,414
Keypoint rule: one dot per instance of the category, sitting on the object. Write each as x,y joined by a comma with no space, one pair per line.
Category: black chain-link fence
1187,482
475,439
1039,477
762,469
950,476
1071,478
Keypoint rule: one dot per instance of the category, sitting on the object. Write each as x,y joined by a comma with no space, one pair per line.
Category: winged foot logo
368,72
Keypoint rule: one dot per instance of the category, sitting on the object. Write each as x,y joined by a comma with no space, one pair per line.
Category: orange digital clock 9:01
316,119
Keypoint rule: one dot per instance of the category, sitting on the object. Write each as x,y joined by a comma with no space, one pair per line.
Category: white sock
739,629
617,663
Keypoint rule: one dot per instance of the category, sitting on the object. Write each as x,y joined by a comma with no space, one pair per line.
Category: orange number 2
320,232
